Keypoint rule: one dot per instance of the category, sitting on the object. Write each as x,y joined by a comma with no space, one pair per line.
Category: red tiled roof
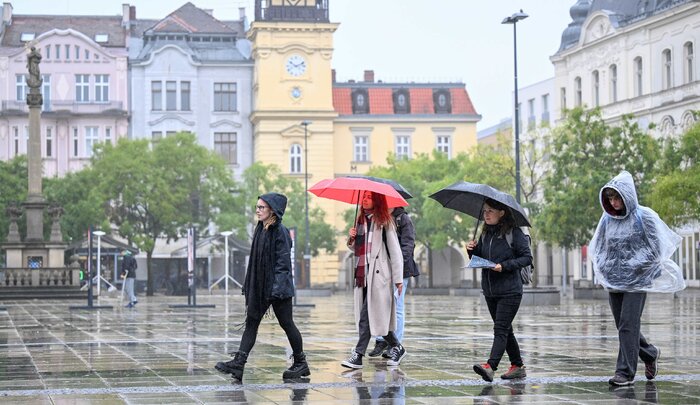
421,99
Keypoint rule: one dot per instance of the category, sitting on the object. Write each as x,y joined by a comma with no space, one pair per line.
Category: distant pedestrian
631,252
407,240
268,282
502,285
379,268
128,273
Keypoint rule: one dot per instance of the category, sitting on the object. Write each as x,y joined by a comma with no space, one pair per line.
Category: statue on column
33,59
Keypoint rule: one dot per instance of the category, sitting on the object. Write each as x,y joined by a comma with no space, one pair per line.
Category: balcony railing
70,106
304,11
43,277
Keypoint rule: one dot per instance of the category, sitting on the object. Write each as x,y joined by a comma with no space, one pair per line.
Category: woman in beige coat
375,242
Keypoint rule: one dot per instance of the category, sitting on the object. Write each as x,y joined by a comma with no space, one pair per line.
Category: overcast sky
409,40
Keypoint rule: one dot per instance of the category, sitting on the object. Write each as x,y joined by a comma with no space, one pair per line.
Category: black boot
234,367
300,368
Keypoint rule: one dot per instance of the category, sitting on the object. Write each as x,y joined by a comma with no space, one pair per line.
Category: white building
635,57
193,73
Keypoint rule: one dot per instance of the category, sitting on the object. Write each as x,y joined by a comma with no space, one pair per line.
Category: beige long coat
381,275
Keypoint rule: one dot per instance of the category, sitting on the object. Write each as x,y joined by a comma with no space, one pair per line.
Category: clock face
295,65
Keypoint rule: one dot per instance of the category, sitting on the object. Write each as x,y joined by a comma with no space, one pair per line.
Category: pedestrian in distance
128,274
269,283
378,269
407,240
631,252
502,286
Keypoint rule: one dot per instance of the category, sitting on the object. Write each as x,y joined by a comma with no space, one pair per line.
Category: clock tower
292,45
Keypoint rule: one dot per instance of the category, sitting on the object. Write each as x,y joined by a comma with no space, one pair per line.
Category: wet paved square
157,354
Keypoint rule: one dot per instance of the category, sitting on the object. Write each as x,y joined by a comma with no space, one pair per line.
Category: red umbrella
350,189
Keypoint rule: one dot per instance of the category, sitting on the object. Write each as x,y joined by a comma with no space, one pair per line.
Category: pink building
85,89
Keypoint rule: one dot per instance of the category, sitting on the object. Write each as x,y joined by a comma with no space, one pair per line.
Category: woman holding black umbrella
502,285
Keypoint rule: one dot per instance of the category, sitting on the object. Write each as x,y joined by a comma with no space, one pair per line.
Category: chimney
333,75
209,11
369,76
126,15
7,13
132,13
241,13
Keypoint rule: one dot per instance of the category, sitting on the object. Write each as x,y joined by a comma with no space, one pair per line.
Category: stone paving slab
154,354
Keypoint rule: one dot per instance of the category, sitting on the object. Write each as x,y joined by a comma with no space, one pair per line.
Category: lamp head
99,233
226,234
520,15
306,123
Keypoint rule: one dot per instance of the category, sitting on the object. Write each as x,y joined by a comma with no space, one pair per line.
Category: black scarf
259,277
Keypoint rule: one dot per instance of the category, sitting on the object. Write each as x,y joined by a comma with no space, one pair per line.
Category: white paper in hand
480,263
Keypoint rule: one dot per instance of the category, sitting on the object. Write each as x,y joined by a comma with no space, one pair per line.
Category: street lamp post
226,234
513,19
99,234
307,247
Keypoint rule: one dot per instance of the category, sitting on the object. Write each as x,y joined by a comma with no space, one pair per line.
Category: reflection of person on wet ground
631,250
650,394
502,285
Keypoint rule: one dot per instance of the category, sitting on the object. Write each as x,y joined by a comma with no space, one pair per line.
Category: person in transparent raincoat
631,252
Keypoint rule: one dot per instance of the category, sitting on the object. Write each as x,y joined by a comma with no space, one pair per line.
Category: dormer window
27,36
442,101
101,38
402,101
360,101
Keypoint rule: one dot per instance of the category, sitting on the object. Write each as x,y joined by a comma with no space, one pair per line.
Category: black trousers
503,311
627,310
283,312
364,331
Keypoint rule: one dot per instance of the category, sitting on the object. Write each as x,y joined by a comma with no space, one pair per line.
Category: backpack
527,271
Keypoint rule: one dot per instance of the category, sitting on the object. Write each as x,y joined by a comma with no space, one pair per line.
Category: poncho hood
624,185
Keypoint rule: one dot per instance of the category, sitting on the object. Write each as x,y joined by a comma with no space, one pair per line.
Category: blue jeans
400,311
129,289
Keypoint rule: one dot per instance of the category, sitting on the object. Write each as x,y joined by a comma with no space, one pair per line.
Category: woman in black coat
269,282
502,285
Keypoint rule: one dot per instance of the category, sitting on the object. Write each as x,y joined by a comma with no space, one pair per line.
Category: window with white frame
91,138
225,144
403,147
108,135
613,83
46,92
49,142
185,96
76,139
47,52
361,148
67,51
225,97
77,52
562,98
444,145
667,75
638,76
82,88
689,62
21,86
595,78
58,51
156,136
578,95
15,140
171,95
102,88
545,108
295,158
156,95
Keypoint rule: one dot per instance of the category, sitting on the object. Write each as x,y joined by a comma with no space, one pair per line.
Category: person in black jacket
268,282
128,273
502,285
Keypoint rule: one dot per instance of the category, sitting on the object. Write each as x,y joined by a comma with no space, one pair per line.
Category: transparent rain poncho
631,250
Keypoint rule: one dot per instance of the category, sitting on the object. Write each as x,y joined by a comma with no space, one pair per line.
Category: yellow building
351,126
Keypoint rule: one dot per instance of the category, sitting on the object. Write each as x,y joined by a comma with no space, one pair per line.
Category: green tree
159,192
586,153
13,189
676,193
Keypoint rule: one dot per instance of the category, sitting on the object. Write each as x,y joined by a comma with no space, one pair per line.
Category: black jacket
269,274
494,247
407,239
129,264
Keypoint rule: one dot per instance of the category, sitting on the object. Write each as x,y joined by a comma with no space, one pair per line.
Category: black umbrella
398,187
469,198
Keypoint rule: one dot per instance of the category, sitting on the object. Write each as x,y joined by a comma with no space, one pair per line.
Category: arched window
578,100
667,69
595,78
295,158
613,83
638,76
689,65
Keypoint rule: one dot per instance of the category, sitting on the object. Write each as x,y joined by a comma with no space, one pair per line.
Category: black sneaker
396,354
379,347
651,369
485,371
354,361
620,380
